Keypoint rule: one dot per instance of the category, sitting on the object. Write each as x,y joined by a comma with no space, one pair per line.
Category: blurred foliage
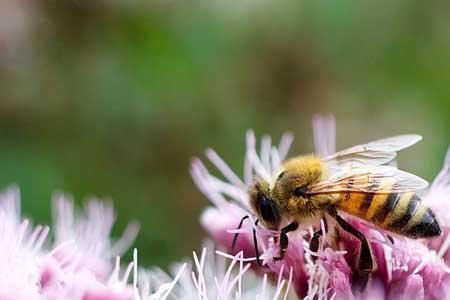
113,98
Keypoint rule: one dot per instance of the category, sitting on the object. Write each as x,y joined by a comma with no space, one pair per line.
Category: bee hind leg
284,241
365,262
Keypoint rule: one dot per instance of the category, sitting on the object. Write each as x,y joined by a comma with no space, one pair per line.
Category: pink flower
83,264
414,269
87,236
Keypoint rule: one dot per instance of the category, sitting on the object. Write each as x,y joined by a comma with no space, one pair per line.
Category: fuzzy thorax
298,176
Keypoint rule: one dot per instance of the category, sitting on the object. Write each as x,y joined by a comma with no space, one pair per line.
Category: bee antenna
237,233
255,242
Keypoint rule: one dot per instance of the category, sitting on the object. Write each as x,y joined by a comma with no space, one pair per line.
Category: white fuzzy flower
21,258
220,277
87,235
78,267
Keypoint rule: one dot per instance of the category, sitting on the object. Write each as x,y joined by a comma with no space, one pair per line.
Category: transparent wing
378,179
375,153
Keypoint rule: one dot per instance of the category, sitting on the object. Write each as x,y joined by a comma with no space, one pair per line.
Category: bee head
265,206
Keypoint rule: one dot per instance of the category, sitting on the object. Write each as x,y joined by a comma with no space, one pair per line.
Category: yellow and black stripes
426,227
385,209
365,203
402,213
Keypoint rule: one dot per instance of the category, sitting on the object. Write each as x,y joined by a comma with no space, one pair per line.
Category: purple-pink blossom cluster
76,266
405,268
80,263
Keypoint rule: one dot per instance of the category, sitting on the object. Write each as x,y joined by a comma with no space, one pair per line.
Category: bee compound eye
268,209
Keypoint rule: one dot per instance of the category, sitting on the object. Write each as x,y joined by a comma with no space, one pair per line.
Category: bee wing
378,179
375,153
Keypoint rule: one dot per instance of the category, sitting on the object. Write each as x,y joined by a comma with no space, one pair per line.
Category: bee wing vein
375,153
379,179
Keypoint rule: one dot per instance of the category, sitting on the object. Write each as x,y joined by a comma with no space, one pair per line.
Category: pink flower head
82,265
20,251
87,236
406,268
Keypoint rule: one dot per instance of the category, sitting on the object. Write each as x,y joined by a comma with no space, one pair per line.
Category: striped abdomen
402,213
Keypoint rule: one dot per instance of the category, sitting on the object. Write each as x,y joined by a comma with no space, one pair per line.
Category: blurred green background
113,98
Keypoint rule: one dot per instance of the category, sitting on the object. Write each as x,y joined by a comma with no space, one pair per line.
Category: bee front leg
284,241
365,262
314,242
237,233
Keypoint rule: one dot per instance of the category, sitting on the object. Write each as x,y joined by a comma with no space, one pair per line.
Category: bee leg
255,242
314,242
391,239
237,233
284,241
365,263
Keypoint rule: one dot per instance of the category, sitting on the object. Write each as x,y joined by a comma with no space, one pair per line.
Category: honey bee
356,181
